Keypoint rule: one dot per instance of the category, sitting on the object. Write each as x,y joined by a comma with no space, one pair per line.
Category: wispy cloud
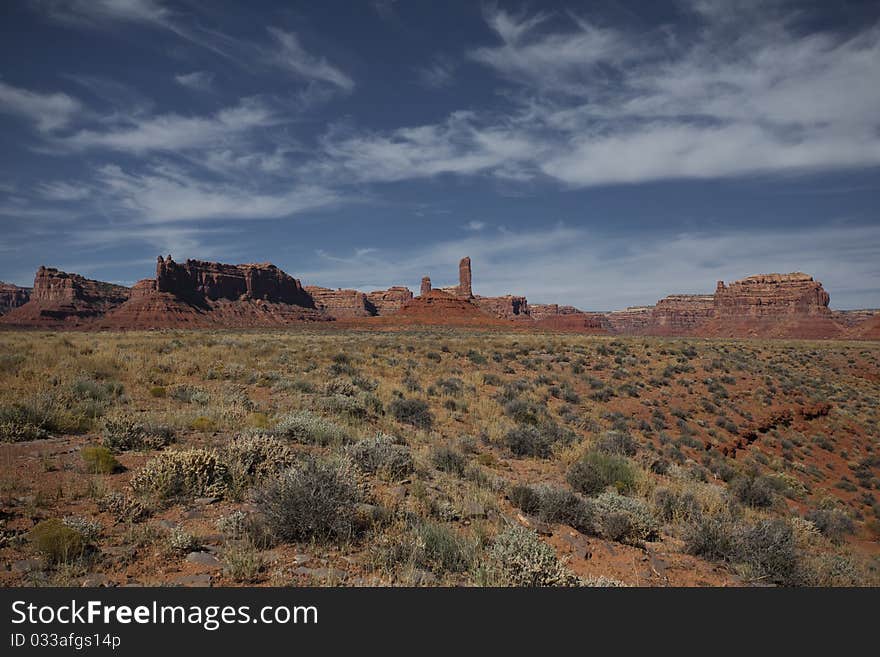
167,194
437,74
475,225
196,80
293,57
49,111
174,132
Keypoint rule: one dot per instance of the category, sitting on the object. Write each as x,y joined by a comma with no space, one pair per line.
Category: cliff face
387,302
340,304
633,320
59,299
197,280
682,313
771,295
12,296
506,307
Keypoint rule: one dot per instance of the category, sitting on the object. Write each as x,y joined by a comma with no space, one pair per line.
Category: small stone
205,501
300,559
204,559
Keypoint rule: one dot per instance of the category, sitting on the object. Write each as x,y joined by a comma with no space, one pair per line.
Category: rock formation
59,298
197,280
464,278
634,320
681,314
771,295
12,296
386,302
198,293
506,307
340,303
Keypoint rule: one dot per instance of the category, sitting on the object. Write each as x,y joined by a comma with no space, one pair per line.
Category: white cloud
173,132
48,111
196,81
291,56
438,74
100,11
475,225
63,191
168,194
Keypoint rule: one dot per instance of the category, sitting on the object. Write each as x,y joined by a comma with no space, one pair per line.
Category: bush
769,547
449,460
518,557
181,542
526,498
560,505
122,434
443,549
412,411
99,460
595,471
383,456
753,490
311,429
616,442
526,440
123,508
313,499
833,523
57,542
158,392
711,536
182,473
625,519
251,458
90,530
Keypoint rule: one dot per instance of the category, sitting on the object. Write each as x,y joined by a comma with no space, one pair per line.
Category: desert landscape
269,433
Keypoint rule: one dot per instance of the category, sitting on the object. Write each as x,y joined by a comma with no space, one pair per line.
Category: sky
600,154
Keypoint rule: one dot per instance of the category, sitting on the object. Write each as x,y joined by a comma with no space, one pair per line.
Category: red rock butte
202,294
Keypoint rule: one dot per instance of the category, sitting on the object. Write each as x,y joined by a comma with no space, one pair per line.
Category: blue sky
601,154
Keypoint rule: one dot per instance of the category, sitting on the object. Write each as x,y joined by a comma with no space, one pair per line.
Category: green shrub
560,505
182,473
625,519
123,508
252,458
381,455
834,523
449,460
99,460
517,557
526,498
753,490
57,542
443,549
122,434
158,391
412,411
308,428
616,442
595,471
314,499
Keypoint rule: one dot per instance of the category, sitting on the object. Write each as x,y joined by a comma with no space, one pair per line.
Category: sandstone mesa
199,293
